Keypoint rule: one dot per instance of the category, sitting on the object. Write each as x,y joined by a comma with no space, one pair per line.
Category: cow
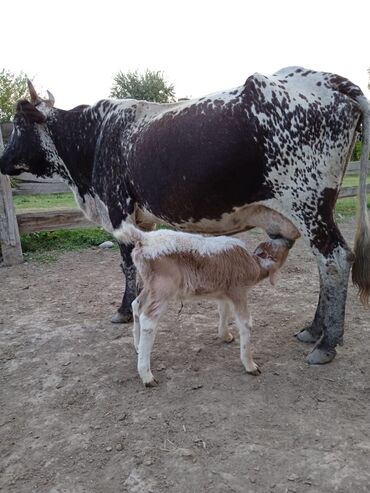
271,153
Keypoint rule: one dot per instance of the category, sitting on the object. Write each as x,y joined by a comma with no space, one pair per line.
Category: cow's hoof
320,356
305,336
121,318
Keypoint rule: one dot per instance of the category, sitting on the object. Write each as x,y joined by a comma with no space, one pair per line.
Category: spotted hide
271,153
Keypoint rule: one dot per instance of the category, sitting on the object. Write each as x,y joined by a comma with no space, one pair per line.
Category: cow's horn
34,97
51,100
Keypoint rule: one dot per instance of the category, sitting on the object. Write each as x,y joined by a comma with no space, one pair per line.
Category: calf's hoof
121,318
229,338
320,356
305,336
151,383
255,371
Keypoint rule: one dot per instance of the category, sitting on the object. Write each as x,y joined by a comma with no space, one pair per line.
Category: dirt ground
76,418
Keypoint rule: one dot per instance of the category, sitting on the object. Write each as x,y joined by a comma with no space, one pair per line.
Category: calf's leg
244,323
148,319
136,306
223,328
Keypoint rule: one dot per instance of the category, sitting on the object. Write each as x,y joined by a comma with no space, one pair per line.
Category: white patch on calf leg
223,329
137,306
244,323
136,327
148,330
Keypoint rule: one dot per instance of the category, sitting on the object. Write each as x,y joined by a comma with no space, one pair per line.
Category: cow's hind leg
124,312
334,260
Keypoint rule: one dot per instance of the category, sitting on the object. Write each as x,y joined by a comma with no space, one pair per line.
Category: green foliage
149,86
12,88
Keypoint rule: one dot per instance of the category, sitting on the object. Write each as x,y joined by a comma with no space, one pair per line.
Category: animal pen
13,224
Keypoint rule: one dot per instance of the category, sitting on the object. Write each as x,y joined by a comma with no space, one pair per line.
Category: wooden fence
12,224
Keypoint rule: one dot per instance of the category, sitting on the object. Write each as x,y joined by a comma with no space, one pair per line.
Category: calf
181,265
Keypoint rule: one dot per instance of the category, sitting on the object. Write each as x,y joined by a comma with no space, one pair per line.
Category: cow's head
27,146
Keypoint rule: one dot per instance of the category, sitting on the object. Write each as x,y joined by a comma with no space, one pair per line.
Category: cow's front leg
334,260
334,273
124,313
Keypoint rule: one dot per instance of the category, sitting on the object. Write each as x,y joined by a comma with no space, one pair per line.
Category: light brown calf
179,265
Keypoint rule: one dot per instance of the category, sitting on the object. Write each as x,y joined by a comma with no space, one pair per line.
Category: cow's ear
30,113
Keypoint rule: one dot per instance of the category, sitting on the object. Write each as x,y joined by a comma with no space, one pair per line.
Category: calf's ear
30,113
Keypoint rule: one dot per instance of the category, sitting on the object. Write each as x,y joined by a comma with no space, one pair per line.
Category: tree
150,86
12,88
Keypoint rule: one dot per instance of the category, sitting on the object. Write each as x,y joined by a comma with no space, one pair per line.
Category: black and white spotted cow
271,153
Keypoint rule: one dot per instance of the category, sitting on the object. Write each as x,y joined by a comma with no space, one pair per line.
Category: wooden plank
28,184
9,234
353,167
351,191
6,129
30,222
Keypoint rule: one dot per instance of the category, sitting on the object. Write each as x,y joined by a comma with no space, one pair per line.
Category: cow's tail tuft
128,233
361,266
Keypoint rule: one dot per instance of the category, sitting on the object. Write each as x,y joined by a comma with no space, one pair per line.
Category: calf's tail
361,266
128,233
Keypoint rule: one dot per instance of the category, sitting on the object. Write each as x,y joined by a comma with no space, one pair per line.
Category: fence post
9,234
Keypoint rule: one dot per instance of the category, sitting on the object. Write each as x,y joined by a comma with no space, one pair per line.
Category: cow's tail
128,233
361,266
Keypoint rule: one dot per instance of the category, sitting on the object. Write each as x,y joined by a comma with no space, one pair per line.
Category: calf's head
27,148
271,256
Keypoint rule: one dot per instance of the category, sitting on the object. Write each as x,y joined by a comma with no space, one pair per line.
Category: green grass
25,203
352,181
47,246
347,207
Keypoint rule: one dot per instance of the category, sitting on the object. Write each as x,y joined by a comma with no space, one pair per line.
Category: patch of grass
25,203
46,246
348,206
42,257
352,181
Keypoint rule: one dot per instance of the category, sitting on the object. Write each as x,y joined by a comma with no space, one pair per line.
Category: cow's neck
74,135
